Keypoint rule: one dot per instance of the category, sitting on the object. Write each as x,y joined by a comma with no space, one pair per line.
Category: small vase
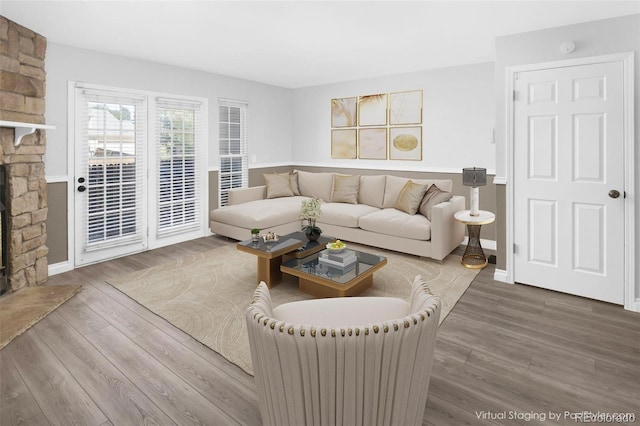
311,230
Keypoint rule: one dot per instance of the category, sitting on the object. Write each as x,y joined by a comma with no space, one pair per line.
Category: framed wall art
372,110
405,143
372,143
343,112
405,107
343,143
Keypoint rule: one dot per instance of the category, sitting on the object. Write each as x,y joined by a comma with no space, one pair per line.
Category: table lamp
474,177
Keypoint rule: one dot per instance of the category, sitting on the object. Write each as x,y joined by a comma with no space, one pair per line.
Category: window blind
113,127
234,164
178,153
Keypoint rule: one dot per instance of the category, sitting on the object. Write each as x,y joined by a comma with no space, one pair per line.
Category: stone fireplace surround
22,92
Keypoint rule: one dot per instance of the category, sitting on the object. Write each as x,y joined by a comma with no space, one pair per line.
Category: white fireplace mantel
24,129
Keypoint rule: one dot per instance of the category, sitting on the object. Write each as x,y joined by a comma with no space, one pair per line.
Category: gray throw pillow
433,196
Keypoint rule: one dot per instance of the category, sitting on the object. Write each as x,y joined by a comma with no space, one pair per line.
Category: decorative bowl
336,246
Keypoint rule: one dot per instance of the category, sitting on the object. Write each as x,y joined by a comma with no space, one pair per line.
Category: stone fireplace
22,92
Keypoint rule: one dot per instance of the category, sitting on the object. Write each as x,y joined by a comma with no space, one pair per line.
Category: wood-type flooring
507,354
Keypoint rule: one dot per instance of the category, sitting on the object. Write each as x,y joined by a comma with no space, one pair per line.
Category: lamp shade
474,176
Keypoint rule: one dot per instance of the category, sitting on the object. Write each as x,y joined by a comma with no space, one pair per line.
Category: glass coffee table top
285,242
308,247
313,267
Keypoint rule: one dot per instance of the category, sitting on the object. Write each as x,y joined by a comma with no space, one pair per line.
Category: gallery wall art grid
378,126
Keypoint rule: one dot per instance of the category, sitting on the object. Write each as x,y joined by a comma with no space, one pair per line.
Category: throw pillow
393,186
345,189
315,184
371,190
410,197
278,185
293,178
433,196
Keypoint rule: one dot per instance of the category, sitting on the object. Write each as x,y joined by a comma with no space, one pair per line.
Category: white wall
269,106
596,38
458,118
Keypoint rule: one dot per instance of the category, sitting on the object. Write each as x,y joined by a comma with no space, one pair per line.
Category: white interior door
568,163
110,177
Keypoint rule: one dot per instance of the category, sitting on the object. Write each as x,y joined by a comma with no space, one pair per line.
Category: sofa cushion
347,215
293,180
345,189
410,197
316,184
278,185
394,185
372,190
345,311
261,214
397,223
433,196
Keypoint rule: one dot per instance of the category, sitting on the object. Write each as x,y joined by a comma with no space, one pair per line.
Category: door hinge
624,194
515,249
515,95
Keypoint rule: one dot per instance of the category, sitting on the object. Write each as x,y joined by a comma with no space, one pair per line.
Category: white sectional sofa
369,215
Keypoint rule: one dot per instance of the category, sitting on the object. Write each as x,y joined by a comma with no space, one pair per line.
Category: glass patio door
110,178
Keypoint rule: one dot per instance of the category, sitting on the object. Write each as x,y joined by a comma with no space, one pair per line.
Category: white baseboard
60,267
500,275
633,306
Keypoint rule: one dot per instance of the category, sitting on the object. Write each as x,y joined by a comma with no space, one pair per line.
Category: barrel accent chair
343,361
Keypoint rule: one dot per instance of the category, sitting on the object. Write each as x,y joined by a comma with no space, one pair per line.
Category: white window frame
161,237
225,137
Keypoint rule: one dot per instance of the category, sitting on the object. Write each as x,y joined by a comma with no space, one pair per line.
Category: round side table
473,256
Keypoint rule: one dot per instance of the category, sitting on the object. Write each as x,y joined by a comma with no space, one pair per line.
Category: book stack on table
342,262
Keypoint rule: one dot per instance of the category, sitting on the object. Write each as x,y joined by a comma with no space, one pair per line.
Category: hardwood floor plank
212,382
446,349
532,392
120,400
235,372
440,412
135,307
60,397
117,315
18,406
470,333
76,311
537,328
466,390
554,361
175,397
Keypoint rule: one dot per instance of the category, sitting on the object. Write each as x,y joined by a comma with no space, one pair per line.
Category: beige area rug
22,309
206,295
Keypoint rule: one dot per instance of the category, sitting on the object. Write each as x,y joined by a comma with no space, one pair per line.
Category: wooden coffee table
270,255
320,280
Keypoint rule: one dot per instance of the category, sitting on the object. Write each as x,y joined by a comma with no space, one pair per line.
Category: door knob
82,188
614,193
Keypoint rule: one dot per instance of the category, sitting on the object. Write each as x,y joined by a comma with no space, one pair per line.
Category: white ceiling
301,43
